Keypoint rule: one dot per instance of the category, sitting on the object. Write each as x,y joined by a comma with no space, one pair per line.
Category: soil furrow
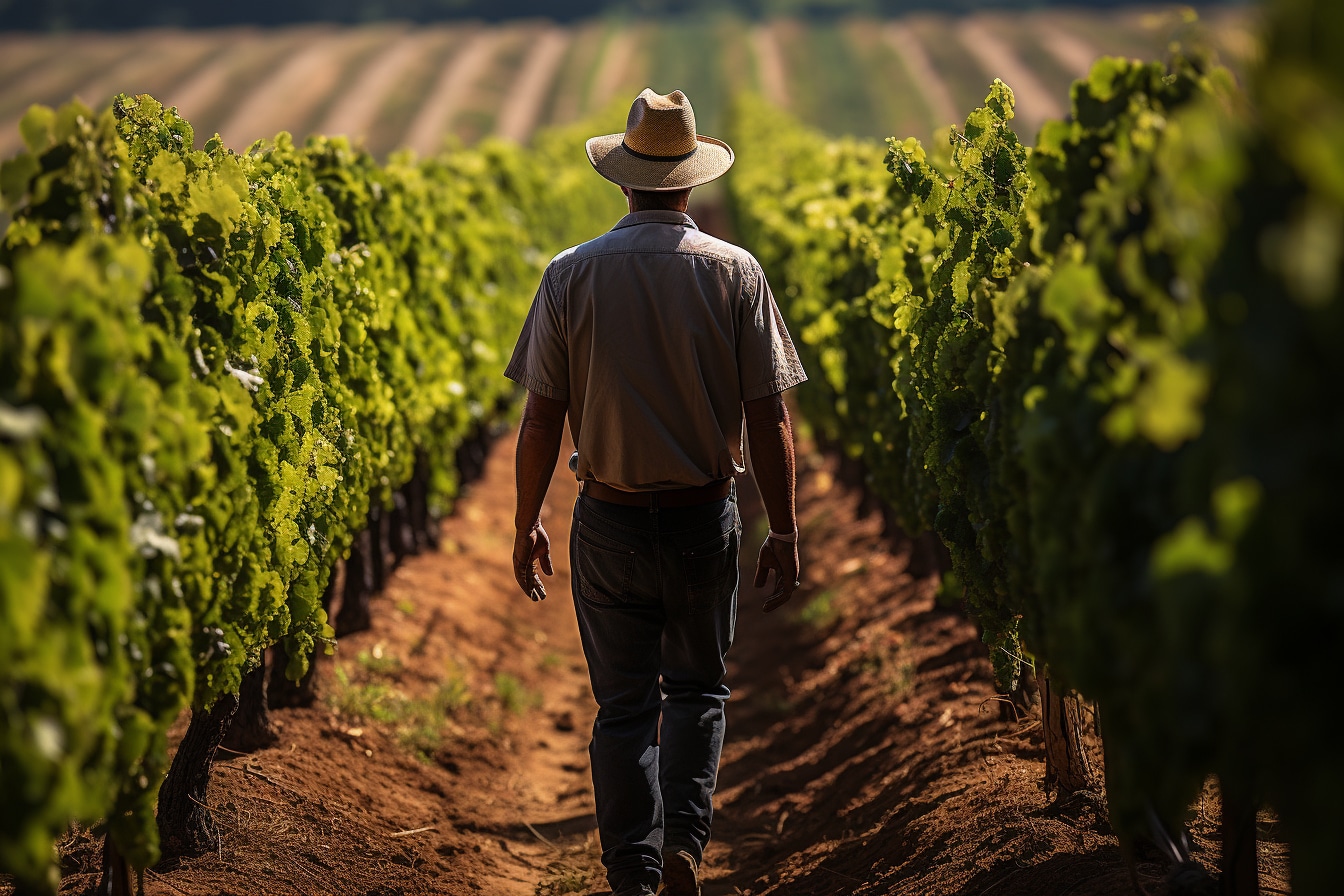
355,112
72,60
454,85
198,92
20,52
1072,52
1035,103
570,88
522,106
770,71
903,39
285,99
618,66
161,58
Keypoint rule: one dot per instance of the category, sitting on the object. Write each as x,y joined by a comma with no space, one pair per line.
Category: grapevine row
1104,371
212,367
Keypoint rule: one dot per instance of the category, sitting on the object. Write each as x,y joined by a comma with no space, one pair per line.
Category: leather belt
675,497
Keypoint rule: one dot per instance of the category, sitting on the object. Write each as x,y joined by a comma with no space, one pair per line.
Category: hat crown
660,150
661,126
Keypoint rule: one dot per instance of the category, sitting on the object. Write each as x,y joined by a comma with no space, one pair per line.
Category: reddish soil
866,753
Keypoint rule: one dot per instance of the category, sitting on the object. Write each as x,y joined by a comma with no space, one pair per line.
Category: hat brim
711,159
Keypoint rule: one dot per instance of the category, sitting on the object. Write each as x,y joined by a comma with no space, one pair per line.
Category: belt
674,497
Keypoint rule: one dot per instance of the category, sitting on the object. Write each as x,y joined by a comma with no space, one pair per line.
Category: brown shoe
679,875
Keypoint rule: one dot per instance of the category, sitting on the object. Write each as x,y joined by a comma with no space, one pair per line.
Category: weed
890,664
514,695
377,662
417,724
550,660
820,611
775,702
405,606
423,737
374,701
565,880
900,678
453,694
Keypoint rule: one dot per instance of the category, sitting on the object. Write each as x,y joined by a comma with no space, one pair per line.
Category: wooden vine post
1067,768
115,878
1240,869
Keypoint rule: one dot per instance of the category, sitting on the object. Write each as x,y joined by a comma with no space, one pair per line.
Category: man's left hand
529,547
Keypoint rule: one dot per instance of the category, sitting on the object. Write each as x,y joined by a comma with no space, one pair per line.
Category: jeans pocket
604,566
711,571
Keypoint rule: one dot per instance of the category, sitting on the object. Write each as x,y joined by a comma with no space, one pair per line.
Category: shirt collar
656,216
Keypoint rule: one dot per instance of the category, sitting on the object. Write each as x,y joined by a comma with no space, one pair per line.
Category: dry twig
537,834
412,831
165,881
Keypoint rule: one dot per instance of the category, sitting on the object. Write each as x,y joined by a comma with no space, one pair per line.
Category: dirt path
1035,102
770,70
358,109
903,39
453,86
522,107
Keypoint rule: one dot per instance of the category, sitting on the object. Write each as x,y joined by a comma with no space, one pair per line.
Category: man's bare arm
539,435
770,436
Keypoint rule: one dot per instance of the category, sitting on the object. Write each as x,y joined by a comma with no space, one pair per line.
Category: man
656,340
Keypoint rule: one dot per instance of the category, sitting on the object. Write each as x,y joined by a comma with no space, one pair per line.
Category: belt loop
653,502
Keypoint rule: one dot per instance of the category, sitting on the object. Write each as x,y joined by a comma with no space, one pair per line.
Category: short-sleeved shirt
655,333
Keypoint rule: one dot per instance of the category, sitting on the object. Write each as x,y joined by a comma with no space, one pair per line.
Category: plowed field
392,86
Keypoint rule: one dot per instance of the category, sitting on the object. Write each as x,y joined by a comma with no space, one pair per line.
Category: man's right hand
530,546
782,557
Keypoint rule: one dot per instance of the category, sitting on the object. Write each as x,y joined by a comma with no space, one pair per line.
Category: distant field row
397,86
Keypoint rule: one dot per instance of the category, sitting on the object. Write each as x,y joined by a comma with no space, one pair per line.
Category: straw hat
660,150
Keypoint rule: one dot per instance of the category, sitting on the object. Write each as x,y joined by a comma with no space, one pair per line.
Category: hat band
648,158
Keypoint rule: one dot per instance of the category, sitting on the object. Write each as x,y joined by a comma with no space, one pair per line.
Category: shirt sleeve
540,361
767,362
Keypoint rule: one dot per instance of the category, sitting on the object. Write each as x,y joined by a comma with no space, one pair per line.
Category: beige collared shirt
655,333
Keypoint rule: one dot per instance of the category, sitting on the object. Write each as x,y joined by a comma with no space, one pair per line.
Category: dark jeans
656,597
